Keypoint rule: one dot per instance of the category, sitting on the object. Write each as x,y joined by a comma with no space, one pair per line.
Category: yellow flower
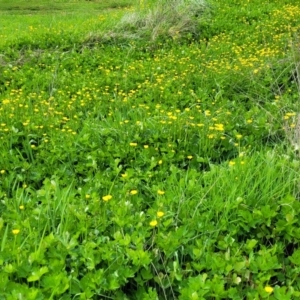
189,156
160,192
15,231
160,214
21,207
269,289
106,198
160,162
290,114
231,163
146,146
219,127
124,175
153,223
238,136
2,171
133,144
133,192
87,196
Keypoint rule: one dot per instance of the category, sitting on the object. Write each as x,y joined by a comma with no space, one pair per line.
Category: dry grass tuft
164,19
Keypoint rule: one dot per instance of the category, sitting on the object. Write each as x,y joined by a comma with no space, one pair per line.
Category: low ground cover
140,168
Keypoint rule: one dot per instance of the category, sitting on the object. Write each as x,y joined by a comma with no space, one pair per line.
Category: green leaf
289,218
281,293
251,244
295,258
36,275
139,257
146,274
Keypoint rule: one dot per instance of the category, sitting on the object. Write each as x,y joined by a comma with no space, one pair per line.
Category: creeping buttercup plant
138,168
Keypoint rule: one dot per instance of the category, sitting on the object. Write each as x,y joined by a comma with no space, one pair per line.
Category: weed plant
129,171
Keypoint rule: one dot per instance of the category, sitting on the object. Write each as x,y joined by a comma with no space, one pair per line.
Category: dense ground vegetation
146,161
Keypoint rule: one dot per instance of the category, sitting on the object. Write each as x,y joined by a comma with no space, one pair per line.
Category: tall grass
291,72
161,19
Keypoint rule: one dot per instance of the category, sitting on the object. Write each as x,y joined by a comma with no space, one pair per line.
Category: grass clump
160,20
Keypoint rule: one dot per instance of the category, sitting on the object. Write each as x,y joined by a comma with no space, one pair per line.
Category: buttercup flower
16,231
106,198
133,192
269,289
160,214
153,223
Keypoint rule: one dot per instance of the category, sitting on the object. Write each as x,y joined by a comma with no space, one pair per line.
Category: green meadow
149,149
